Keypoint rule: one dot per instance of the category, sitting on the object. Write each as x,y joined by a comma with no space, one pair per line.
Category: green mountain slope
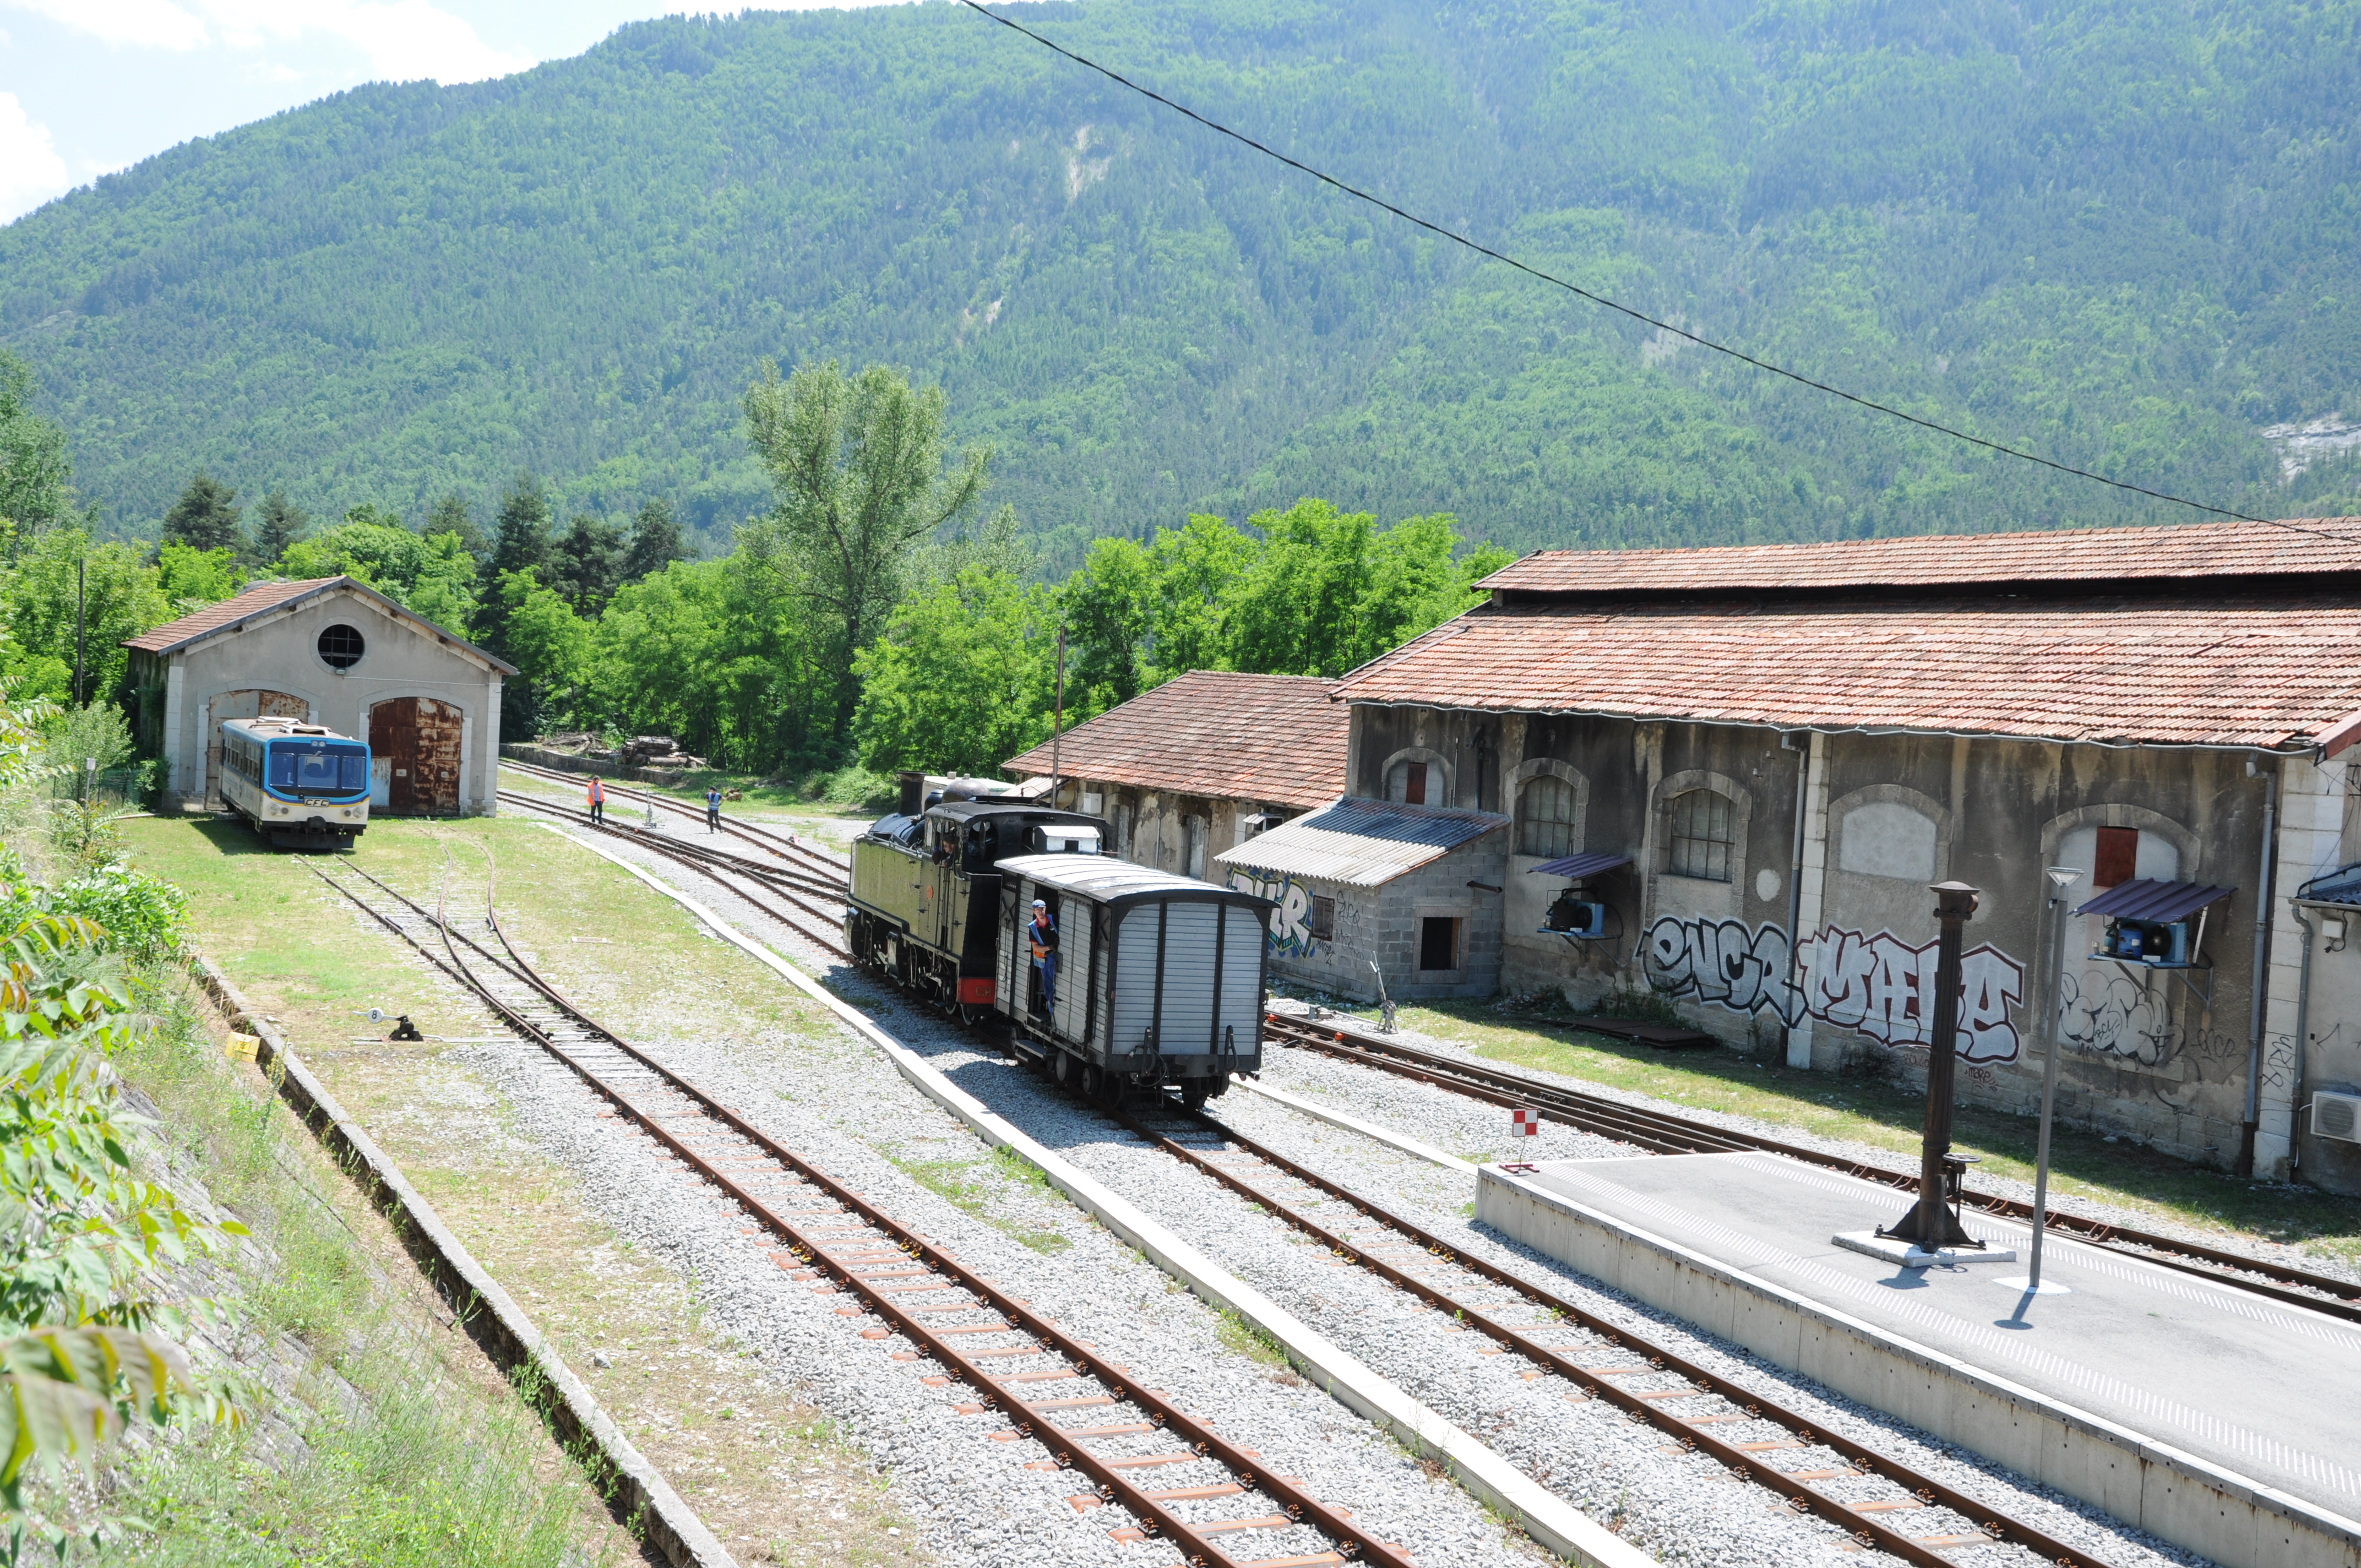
2122,233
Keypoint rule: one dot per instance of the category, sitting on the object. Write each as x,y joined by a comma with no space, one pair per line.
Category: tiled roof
1362,843
263,598
214,617
1212,733
2091,555
2232,670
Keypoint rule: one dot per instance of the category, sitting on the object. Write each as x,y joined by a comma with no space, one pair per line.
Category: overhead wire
1358,193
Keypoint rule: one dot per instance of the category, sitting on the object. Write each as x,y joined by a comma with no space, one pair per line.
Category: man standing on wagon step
1044,934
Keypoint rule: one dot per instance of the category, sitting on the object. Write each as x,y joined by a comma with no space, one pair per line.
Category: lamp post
2060,878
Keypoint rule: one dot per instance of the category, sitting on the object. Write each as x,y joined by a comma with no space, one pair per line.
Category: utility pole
1933,1223
1058,720
2060,878
82,568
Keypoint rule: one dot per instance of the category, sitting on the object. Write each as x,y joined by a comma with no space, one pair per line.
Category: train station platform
2222,1422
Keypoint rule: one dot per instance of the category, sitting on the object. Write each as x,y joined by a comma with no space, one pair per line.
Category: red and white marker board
1525,1124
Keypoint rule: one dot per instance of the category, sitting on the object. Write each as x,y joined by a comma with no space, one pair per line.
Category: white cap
1040,903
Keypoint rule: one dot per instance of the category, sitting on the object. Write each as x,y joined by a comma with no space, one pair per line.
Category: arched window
1701,837
1545,804
1415,783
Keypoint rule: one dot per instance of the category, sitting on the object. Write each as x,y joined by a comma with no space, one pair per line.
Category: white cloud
31,170
402,41
152,24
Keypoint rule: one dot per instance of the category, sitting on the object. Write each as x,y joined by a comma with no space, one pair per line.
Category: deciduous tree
858,469
36,479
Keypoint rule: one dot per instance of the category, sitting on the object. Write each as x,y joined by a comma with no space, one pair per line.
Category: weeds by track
1015,1361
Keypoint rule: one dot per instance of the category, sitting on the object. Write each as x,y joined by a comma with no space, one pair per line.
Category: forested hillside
2119,231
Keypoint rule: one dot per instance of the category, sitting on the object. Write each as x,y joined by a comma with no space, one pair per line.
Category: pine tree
521,540
656,542
583,569
451,516
278,524
205,516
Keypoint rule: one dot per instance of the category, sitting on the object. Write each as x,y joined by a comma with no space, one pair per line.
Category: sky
90,86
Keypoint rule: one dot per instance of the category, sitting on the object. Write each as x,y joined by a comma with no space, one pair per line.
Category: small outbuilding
1390,890
329,651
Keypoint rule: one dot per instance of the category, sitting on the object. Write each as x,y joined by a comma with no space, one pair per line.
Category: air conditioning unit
2337,1116
1572,916
2164,943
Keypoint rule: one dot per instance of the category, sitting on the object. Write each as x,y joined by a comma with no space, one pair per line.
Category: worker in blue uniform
1043,934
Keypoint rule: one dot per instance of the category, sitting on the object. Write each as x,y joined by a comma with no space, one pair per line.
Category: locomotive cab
918,880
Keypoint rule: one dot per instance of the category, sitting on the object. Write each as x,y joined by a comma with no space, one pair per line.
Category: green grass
956,1181
1882,1114
1248,1339
426,1466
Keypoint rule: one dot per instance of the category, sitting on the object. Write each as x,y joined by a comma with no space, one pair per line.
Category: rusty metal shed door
419,736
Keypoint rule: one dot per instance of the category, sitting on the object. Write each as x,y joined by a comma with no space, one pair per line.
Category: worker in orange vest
597,802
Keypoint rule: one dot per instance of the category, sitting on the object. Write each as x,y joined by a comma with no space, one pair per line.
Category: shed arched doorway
415,755
259,703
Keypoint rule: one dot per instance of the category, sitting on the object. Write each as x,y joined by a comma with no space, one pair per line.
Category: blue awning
2337,887
2145,898
1580,866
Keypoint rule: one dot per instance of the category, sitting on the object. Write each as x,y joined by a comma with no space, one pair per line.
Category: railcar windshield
317,767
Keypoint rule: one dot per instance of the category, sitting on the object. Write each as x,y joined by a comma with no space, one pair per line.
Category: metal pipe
2049,1074
2302,1020
1796,878
1931,1225
2260,981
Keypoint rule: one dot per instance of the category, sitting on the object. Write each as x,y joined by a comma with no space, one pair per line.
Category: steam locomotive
1158,979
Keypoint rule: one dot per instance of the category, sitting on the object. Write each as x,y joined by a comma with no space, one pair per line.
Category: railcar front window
319,770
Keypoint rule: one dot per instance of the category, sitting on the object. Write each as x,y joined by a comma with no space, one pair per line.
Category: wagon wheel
1193,1092
1094,1081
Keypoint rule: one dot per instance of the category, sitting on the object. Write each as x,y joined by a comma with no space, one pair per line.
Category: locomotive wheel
1193,1092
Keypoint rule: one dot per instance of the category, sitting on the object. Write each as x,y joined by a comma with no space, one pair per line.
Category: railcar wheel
1094,1081
1065,1069
1193,1092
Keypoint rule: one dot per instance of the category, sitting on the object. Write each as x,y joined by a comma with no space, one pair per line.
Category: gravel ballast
1672,1504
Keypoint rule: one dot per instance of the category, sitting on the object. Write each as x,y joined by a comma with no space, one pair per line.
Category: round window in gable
341,647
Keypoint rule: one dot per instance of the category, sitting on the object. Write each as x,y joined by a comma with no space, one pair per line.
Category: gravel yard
1674,1504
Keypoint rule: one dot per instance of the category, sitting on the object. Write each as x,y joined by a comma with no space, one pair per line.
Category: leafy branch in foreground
84,1239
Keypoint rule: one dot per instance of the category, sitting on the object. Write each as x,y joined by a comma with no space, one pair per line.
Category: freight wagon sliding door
256,704
416,741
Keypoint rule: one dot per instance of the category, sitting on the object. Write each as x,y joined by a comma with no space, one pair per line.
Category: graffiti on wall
1290,923
1875,985
1722,962
1883,987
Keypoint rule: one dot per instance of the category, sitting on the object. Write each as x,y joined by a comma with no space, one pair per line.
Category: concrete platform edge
503,1331
1556,1524
1354,1124
2247,1525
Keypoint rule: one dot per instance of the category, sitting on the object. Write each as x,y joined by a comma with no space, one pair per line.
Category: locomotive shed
1656,1496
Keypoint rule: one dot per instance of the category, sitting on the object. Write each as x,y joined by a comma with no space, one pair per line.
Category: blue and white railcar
301,786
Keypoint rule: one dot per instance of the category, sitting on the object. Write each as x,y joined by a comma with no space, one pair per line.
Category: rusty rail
762,839
1695,1431
1663,1133
877,1277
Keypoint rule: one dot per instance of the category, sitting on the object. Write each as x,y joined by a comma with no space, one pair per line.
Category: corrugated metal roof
1580,866
2337,887
2145,898
1362,843
1102,876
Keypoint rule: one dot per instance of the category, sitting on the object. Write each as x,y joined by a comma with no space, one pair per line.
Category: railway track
1663,1133
820,923
1176,1478
1881,1502
786,848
